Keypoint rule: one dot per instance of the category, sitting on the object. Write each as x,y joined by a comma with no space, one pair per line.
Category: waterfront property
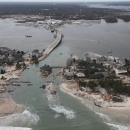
120,70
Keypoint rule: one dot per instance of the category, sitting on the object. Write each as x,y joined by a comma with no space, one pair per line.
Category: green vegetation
98,76
111,20
111,86
90,70
92,85
82,84
114,86
10,63
35,59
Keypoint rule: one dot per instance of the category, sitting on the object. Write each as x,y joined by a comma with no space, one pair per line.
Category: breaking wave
107,119
23,119
118,127
54,104
14,128
70,114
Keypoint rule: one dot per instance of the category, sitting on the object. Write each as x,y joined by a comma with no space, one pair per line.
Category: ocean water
61,112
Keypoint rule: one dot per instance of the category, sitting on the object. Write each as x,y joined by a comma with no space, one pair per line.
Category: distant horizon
48,1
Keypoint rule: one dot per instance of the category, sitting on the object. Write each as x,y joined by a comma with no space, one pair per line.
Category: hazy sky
59,0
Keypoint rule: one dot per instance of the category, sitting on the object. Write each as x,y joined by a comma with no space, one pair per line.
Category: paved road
53,45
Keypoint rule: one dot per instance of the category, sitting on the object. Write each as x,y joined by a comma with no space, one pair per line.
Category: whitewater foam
70,114
54,104
22,119
118,127
14,128
107,119
103,116
56,116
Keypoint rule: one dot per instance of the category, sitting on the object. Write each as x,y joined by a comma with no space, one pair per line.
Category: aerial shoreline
16,75
72,86
119,110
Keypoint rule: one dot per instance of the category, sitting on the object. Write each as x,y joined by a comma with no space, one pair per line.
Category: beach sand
7,105
125,110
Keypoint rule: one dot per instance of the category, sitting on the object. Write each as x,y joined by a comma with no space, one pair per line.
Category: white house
120,70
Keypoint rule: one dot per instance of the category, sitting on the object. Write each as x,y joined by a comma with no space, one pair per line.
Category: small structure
99,67
120,70
80,75
69,75
80,68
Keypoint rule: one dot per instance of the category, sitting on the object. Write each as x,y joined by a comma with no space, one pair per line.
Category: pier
53,45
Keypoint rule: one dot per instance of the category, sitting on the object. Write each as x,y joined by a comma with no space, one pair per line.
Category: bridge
53,45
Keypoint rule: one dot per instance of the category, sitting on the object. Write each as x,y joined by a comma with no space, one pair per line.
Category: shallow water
46,112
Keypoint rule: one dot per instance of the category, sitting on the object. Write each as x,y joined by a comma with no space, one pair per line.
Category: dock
53,45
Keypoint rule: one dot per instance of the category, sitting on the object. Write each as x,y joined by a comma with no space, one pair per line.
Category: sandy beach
120,108
7,105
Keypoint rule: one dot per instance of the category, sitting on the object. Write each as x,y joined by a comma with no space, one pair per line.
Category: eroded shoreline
120,110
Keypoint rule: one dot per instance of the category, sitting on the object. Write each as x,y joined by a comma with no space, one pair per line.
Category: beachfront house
101,60
80,75
80,68
68,75
120,69
99,67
